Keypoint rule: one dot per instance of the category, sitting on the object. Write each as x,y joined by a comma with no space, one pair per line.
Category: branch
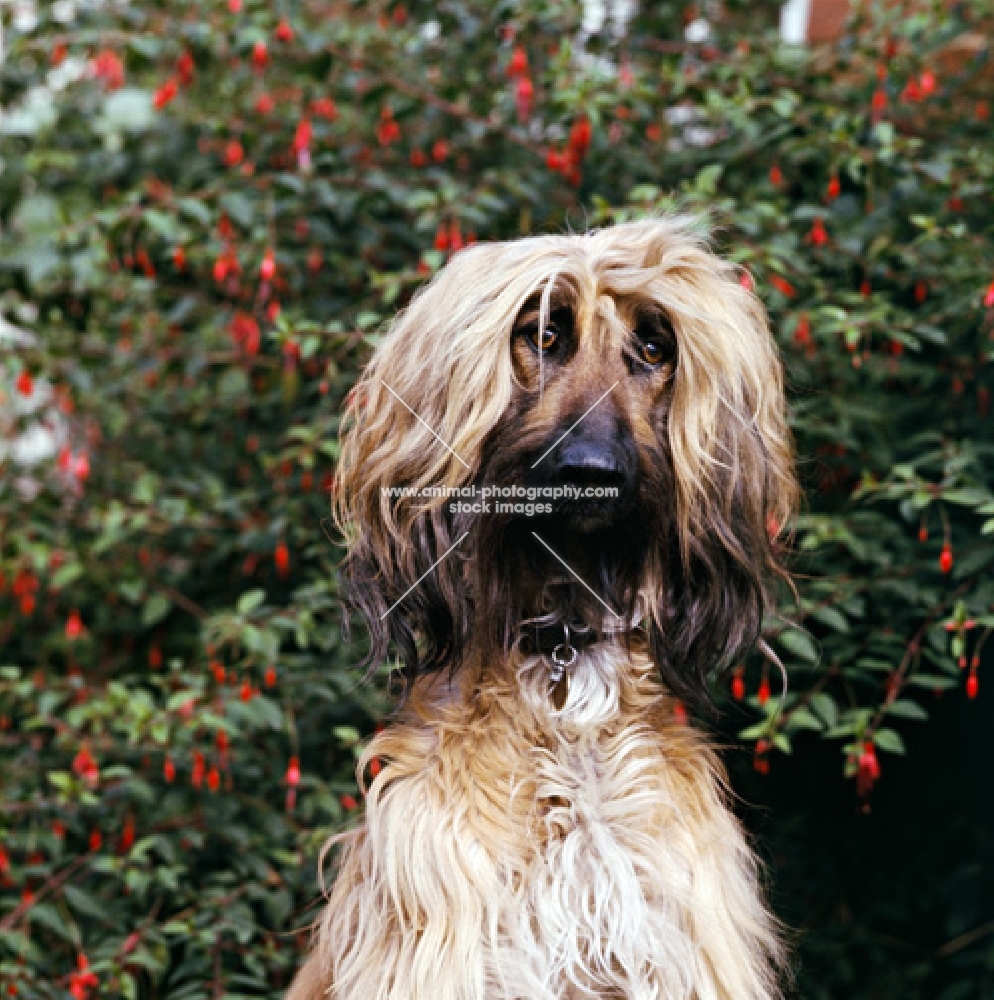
49,887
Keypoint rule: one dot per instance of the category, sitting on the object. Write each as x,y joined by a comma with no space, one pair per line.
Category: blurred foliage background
207,214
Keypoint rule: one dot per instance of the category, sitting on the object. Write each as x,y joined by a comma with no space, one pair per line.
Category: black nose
592,463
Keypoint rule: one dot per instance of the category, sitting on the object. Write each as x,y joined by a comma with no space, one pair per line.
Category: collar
544,635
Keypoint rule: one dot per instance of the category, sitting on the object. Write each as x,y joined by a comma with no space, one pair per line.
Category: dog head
620,395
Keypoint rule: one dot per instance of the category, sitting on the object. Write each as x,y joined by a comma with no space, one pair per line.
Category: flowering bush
209,210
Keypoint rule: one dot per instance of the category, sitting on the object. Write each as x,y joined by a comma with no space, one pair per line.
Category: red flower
260,55
738,686
235,6
818,235
418,158
197,774
349,803
165,93
293,773
802,332
439,150
284,33
972,685
25,384
518,64
270,678
387,130
927,83
74,626
282,559
244,331
763,694
760,761
946,558
169,770
324,107
524,94
82,980
179,258
213,779
988,298
267,269
96,840
912,93
264,104
834,189
921,292
127,834
233,153
108,67
85,767
867,769
302,136
184,67
783,286
579,139
878,102
776,176
555,160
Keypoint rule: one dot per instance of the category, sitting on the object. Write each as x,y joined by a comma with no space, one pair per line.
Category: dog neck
562,645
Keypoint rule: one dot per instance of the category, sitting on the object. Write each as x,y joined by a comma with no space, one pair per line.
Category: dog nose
591,463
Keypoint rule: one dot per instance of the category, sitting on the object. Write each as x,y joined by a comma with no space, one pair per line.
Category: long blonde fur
513,850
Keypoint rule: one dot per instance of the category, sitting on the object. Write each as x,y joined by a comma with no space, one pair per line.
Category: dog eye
544,340
652,353
655,341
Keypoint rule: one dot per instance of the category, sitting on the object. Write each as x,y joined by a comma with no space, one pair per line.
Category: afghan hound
561,483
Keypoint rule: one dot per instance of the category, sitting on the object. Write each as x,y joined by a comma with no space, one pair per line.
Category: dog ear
731,462
411,595
413,427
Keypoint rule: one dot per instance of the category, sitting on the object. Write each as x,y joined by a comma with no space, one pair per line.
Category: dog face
591,381
626,368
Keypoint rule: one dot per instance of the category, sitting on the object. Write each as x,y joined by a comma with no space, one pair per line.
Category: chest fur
598,903
520,851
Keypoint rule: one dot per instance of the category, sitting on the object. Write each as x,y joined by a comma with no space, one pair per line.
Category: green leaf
800,644
905,709
250,600
156,608
889,740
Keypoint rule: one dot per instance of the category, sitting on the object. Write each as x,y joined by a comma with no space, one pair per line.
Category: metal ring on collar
564,655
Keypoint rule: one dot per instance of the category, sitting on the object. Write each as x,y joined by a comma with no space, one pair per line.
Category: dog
563,483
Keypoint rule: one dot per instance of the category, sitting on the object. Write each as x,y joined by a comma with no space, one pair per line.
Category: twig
49,887
965,940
